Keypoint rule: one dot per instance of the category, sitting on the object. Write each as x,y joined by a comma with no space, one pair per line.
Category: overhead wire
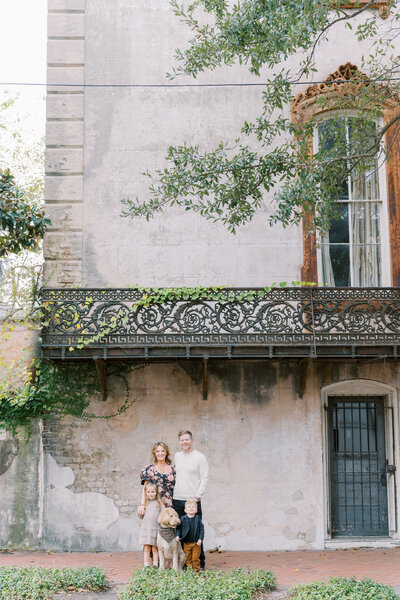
190,85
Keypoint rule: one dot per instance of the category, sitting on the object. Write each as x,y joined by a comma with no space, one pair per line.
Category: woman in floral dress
161,472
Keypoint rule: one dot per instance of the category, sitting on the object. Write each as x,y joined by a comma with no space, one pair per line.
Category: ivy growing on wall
55,391
48,390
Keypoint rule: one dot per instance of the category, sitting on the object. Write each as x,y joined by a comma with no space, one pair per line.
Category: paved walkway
383,565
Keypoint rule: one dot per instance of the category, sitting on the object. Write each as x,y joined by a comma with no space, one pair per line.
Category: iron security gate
358,466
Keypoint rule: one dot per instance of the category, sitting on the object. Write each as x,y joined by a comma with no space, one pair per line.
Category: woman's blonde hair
168,457
148,485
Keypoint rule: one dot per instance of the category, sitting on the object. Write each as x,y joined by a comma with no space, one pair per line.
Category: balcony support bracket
101,366
205,377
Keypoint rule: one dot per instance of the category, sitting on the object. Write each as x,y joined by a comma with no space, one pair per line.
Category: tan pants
192,553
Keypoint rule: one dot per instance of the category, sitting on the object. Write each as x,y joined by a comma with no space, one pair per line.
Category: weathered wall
100,140
263,442
75,485
21,479
21,488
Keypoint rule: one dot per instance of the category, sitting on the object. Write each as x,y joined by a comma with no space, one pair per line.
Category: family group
179,484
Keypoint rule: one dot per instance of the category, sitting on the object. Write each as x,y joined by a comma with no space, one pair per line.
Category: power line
188,85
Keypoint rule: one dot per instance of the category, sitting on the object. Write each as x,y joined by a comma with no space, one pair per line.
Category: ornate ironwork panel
312,318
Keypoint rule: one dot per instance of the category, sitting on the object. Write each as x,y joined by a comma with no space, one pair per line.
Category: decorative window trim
381,5
304,107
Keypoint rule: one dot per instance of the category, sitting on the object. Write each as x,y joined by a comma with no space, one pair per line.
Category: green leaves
238,584
254,32
229,184
222,185
37,583
21,225
56,391
345,589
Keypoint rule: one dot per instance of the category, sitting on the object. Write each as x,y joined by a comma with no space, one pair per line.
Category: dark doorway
358,466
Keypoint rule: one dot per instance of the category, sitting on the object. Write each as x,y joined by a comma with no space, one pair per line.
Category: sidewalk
381,564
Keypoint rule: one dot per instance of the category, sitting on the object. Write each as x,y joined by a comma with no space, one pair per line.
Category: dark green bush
343,589
36,583
238,584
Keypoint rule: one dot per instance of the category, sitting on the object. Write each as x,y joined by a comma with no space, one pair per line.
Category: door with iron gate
358,483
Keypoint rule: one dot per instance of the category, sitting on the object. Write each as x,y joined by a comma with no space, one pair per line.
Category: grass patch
341,588
36,583
238,584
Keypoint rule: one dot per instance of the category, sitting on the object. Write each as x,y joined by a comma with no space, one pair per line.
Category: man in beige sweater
191,478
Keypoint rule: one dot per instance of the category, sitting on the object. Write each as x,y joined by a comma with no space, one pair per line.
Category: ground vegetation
37,583
238,584
343,589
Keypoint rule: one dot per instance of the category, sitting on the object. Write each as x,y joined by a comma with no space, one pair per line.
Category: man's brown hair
184,432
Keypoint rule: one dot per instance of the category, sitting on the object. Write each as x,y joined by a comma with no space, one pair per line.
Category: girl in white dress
148,530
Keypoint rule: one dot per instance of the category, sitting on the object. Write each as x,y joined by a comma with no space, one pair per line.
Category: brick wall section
64,142
90,476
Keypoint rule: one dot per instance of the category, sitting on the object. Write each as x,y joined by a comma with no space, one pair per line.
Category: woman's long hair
168,457
147,485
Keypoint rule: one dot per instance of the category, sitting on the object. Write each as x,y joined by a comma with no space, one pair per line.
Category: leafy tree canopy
22,221
228,184
22,224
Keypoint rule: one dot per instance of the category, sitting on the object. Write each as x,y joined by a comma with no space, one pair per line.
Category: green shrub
238,584
343,589
36,583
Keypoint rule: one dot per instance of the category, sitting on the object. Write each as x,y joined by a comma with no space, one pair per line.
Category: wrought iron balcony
289,322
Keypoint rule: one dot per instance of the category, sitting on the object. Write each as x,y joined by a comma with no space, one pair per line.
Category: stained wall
102,138
264,445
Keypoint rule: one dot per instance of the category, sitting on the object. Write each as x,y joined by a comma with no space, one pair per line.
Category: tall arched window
362,247
353,252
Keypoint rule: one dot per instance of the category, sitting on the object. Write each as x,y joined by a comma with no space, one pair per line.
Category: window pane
361,129
332,134
365,223
339,230
365,231
367,265
365,184
336,264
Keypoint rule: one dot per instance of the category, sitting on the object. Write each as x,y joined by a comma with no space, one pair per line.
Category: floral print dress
165,482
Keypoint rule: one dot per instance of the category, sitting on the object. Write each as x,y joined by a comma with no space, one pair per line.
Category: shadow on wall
245,381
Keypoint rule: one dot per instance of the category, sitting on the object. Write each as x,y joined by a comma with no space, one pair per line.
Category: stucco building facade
300,425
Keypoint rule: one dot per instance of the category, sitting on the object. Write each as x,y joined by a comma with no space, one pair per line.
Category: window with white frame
351,252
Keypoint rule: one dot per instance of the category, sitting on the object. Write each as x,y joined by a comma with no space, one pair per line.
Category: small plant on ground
238,584
36,583
341,588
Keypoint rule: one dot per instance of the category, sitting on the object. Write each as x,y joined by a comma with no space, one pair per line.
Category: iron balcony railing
292,322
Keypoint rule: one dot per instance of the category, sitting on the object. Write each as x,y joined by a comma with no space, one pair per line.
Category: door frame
365,387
